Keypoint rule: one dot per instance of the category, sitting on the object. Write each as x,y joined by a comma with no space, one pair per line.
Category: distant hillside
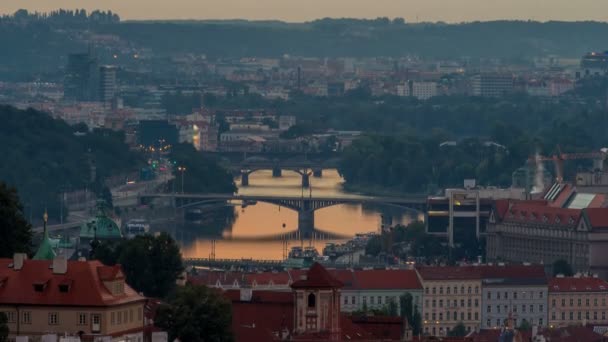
38,48
41,155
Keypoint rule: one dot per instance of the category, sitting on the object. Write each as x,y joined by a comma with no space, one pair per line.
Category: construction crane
558,160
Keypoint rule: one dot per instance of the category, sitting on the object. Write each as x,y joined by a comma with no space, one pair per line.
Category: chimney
18,259
246,294
60,264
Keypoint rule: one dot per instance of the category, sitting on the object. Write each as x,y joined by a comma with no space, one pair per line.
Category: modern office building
81,81
492,84
107,84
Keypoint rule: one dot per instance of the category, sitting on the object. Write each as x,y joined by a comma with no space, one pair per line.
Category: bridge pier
305,180
276,171
306,223
244,178
318,173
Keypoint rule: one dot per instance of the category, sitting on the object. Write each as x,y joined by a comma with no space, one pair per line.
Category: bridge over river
305,206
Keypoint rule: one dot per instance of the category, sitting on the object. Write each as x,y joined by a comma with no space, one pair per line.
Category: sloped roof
86,287
574,284
317,277
513,271
598,217
45,250
450,272
532,212
387,279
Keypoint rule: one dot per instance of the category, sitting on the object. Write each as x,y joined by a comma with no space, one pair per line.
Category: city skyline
295,11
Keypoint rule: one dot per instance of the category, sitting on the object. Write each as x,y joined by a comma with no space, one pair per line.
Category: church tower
317,303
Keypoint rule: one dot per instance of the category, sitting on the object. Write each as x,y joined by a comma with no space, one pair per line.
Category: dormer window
65,286
40,286
571,220
545,219
557,220
3,281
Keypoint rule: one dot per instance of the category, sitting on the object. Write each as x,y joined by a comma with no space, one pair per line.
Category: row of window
451,316
126,316
454,303
505,295
579,315
372,300
53,318
579,302
454,291
541,308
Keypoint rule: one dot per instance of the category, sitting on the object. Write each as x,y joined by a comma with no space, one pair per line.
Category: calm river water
249,234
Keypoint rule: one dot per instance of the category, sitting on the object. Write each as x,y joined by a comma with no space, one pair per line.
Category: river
248,235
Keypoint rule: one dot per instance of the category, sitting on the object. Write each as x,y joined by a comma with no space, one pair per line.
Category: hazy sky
302,10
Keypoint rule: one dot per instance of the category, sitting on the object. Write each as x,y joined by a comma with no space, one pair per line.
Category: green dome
101,227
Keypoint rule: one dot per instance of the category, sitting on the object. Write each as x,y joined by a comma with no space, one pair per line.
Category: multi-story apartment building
376,289
577,300
424,90
534,231
452,295
80,298
518,292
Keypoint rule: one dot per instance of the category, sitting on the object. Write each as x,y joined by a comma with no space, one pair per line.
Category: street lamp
182,169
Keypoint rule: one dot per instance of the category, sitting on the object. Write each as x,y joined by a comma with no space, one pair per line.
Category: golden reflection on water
264,220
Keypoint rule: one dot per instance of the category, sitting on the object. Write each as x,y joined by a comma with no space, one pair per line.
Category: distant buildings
81,81
424,90
594,64
492,84
577,300
563,225
452,295
79,298
107,85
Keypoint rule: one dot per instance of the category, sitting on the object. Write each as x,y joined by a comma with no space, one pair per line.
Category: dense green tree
562,266
458,331
151,264
44,156
3,327
373,246
524,326
410,311
196,313
15,231
203,174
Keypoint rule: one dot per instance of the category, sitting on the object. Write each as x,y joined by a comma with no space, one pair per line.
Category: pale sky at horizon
304,10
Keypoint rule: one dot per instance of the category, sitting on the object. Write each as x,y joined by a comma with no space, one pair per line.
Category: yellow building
84,298
577,300
452,295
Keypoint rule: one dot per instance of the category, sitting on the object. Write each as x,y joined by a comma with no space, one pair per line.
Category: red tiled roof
598,217
317,277
528,212
110,273
268,278
573,284
86,288
387,279
450,272
261,320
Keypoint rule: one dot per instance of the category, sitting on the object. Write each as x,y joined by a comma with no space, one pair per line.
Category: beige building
537,232
79,298
577,301
452,295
